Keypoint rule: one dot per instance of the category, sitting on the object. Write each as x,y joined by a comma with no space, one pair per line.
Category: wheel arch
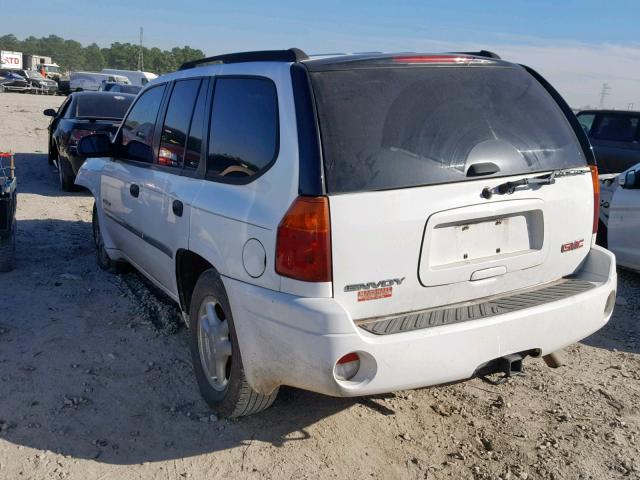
189,267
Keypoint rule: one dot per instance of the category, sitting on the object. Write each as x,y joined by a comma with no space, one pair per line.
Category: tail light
76,135
303,246
596,197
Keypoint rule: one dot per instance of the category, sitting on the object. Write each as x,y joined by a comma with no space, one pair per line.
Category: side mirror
631,180
96,145
140,151
50,112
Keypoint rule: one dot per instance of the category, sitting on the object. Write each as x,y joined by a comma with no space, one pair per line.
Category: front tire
66,175
216,355
102,257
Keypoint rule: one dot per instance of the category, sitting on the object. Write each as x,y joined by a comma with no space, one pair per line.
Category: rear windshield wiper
510,187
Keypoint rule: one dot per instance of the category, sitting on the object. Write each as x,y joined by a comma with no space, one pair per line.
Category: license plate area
462,241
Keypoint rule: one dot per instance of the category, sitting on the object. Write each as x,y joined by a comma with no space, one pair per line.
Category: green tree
93,58
71,55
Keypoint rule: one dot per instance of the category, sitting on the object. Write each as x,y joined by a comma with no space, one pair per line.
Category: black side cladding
568,113
311,171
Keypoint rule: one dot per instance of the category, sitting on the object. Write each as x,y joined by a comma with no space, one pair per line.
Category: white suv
355,224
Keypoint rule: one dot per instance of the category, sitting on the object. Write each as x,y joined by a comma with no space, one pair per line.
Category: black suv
615,137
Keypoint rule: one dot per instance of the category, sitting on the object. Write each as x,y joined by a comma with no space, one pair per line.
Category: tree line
73,56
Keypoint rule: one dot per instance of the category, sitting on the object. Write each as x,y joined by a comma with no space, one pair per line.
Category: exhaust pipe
509,366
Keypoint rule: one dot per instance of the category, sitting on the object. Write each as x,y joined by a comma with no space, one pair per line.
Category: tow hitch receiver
509,366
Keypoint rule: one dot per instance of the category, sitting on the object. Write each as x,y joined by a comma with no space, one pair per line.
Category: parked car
442,225
615,136
90,81
136,77
119,87
620,216
36,81
12,82
81,114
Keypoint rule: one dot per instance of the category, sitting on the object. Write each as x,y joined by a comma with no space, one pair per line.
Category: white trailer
136,77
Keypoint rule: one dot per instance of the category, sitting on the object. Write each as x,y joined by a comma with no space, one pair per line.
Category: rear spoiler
481,53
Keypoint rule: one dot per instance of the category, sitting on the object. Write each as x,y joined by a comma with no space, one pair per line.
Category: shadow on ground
36,176
622,333
86,372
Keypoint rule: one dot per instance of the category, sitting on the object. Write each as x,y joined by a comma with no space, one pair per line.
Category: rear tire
102,257
66,175
212,331
8,251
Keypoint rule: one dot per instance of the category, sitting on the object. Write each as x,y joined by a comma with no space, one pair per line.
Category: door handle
134,190
177,208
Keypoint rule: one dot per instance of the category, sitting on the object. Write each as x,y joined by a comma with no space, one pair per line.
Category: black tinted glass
137,130
176,123
616,128
194,143
102,106
386,128
244,127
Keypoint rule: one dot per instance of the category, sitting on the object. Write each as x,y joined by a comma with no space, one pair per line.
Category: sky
576,45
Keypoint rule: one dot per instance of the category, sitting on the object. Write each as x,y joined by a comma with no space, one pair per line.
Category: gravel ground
96,381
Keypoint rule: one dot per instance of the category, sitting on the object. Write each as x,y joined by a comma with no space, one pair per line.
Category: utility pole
606,90
140,54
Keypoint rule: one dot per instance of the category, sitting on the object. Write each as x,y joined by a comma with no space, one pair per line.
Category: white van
79,81
136,77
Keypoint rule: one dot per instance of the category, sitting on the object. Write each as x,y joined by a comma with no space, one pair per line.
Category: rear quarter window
385,128
243,140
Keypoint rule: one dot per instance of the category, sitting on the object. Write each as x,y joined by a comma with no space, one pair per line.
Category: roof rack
482,53
290,55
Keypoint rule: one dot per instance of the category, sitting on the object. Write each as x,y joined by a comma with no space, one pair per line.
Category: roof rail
482,53
290,55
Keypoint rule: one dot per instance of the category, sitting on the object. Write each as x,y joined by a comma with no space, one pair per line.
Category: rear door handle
134,190
177,208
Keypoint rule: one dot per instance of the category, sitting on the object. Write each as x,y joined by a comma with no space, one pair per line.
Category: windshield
103,106
33,74
385,128
52,69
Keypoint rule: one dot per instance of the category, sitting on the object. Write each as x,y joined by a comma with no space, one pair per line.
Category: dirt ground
96,381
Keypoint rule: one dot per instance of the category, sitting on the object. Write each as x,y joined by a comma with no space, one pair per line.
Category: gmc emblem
567,247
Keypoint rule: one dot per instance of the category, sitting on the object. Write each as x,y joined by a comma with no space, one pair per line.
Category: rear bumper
289,340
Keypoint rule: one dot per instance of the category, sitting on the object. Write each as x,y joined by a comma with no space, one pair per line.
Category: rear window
103,106
385,128
616,128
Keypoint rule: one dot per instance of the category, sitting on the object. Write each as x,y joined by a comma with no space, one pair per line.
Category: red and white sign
10,59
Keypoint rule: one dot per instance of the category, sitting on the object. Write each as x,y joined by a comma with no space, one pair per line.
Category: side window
176,123
586,120
62,111
194,142
138,127
244,127
616,128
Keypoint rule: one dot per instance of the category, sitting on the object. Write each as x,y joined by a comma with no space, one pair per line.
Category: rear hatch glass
389,128
103,105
